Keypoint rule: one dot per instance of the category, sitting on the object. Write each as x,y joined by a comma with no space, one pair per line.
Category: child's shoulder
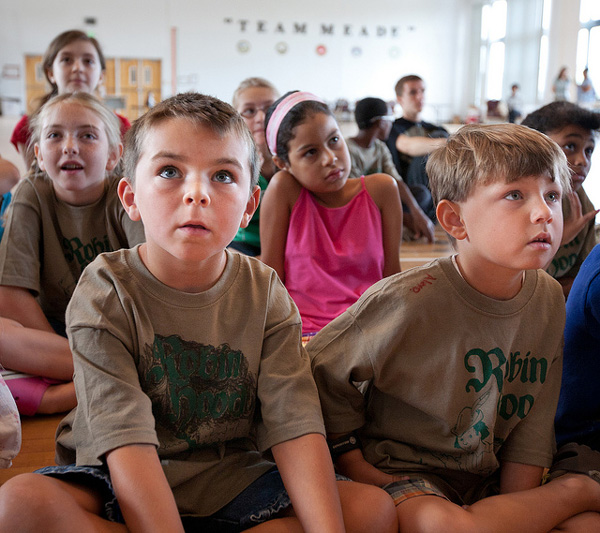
284,186
381,187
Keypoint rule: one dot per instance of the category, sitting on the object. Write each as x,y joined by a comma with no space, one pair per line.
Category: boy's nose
196,194
541,211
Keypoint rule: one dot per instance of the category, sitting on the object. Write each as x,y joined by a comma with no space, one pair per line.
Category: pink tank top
332,255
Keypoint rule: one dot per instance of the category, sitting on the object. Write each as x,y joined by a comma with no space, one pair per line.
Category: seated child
59,220
370,155
251,99
578,413
189,364
328,237
573,128
73,62
461,358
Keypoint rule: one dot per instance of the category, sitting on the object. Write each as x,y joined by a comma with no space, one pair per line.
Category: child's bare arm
144,495
17,303
384,191
576,220
275,211
416,146
307,472
516,476
353,465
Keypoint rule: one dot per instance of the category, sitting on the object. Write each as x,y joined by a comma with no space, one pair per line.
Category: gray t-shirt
213,379
373,160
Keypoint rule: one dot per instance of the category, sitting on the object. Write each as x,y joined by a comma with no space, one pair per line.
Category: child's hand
576,220
422,226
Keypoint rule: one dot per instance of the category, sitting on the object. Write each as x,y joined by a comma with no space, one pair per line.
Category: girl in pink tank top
328,237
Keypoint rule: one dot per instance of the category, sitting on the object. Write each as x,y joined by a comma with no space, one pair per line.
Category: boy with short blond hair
189,366
461,358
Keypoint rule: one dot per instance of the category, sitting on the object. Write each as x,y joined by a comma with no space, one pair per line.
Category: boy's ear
127,197
280,163
250,207
113,157
38,156
448,215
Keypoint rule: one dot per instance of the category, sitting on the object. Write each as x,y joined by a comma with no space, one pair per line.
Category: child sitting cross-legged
460,359
189,367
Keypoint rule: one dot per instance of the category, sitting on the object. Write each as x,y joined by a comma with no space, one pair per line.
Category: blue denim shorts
262,500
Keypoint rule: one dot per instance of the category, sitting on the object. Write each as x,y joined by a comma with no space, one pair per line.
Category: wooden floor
37,449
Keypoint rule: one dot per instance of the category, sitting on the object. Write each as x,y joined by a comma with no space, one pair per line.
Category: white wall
426,41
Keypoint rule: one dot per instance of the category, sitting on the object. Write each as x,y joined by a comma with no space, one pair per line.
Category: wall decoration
395,52
11,72
243,47
321,50
356,51
281,47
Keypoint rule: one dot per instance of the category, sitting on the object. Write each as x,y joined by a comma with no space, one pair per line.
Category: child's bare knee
367,508
24,502
431,514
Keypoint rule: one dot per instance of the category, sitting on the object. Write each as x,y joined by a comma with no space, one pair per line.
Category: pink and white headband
282,109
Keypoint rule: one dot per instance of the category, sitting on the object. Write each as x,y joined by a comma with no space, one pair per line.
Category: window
588,39
493,32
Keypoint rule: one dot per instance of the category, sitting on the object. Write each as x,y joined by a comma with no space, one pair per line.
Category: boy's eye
223,176
310,152
553,196
514,195
89,135
589,152
169,173
570,147
52,135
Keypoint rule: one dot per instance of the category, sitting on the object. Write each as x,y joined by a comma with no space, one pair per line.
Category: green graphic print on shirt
204,394
474,427
83,254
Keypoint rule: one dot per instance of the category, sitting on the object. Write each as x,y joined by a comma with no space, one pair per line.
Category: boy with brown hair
188,362
460,359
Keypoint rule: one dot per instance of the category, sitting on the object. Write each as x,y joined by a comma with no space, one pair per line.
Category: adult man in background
411,139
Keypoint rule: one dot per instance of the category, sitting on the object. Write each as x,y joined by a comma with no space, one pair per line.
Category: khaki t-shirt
47,242
212,379
456,380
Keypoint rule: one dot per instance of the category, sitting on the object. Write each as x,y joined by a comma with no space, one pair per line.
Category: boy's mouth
544,238
71,166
